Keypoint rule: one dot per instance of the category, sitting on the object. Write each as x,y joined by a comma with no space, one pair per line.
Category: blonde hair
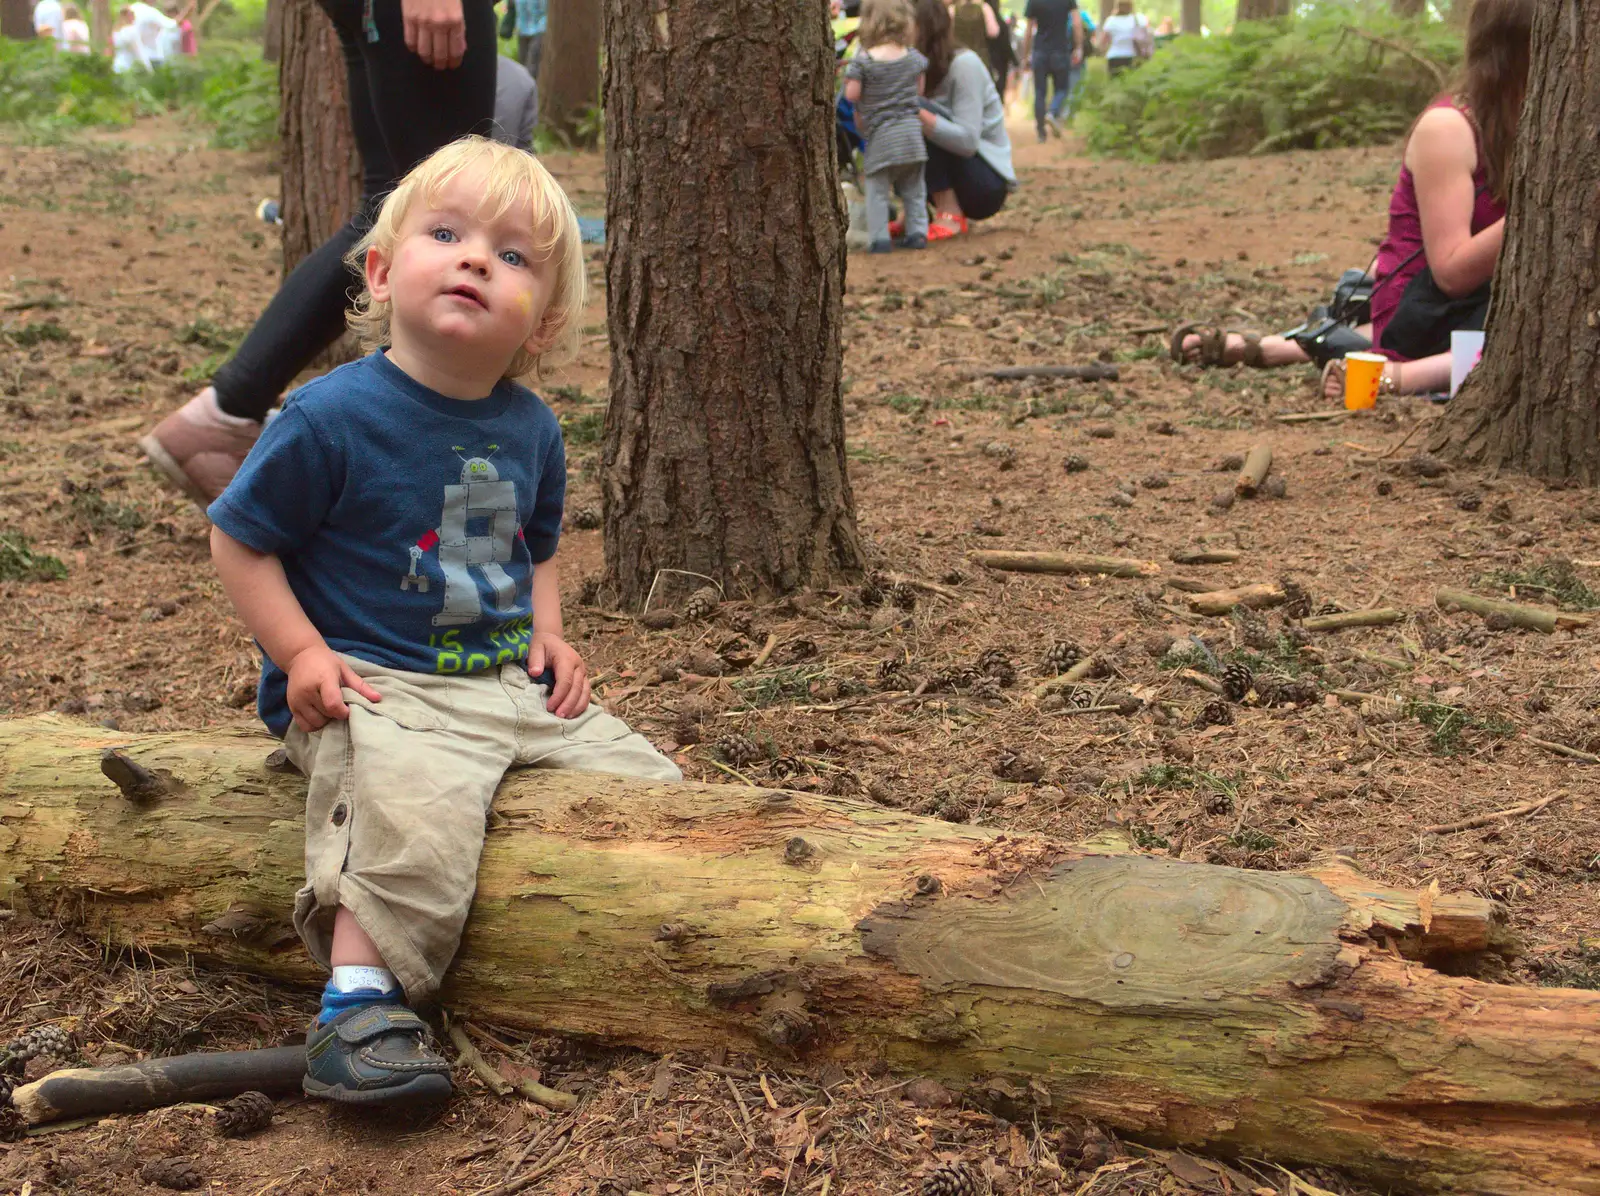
510,176
886,21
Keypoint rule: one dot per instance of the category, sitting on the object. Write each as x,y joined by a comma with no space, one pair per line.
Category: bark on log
1221,602
1064,562
95,1091
1532,618
1257,464
1205,556
1271,1014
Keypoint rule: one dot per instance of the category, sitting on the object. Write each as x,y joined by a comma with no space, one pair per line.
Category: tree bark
1277,1014
724,449
569,70
16,20
272,32
1529,405
100,18
1192,17
321,180
1260,10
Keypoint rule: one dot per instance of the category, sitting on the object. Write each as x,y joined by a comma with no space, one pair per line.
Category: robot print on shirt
482,503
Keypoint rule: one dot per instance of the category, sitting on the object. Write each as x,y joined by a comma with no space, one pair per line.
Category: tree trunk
272,32
16,20
1193,16
321,169
724,447
100,18
1530,404
1408,8
1258,1013
569,71
1261,10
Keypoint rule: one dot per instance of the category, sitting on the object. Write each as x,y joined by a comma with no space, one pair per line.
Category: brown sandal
1214,346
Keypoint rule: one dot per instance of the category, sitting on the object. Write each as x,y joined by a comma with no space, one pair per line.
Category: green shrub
230,88
1307,82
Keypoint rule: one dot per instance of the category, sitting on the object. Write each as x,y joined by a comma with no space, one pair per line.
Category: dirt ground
133,262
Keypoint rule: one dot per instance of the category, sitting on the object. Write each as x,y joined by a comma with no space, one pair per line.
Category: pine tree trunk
1193,16
569,70
100,18
272,32
321,170
1530,405
724,449
1261,10
16,20
1286,1015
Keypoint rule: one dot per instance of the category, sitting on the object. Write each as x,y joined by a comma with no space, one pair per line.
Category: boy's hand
315,678
570,696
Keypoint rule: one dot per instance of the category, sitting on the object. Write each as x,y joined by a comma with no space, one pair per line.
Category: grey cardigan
971,118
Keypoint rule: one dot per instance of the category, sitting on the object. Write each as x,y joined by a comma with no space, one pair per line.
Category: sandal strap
1213,346
1253,356
374,1021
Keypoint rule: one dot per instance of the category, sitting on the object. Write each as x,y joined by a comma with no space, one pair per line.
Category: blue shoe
375,1054
268,212
914,242
880,247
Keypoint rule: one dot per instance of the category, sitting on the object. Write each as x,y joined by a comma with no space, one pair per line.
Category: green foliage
781,685
584,428
28,335
1306,82
1450,723
48,94
1556,579
95,510
19,562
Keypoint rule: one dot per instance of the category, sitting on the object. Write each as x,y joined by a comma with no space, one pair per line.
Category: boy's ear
377,275
544,333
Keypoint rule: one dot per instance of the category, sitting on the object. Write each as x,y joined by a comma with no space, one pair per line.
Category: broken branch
1205,556
1064,562
1380,617
1221,602
1531,618
136,781
1097,371
1257,464
1467,824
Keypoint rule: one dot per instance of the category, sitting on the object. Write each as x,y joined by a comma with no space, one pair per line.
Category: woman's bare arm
1442,156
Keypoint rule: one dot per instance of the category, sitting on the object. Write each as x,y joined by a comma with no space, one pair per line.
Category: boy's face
460,281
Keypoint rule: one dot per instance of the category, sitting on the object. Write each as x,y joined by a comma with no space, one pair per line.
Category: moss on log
1272,1014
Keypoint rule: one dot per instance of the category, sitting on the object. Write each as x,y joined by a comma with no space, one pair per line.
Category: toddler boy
391,543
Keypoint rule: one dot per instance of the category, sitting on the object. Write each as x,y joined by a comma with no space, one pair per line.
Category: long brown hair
935,39
1494,80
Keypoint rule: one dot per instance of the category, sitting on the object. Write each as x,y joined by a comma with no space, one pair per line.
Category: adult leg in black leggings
401,110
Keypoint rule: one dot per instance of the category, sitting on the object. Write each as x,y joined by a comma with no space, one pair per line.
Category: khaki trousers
400,793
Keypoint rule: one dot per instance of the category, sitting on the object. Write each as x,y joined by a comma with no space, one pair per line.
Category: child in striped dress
884,82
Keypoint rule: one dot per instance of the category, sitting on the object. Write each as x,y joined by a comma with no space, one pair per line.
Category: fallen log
1380,617
1280,1014
127,1088
1063,562
1532,618
1255,597
1205,556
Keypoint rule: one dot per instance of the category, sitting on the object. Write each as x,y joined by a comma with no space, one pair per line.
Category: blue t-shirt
408,523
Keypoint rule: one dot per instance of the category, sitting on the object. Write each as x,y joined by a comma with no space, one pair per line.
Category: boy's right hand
316,676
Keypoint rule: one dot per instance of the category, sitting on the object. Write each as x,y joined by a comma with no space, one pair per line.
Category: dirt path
132,265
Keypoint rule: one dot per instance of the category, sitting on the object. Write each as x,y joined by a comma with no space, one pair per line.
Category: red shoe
946,225
897,228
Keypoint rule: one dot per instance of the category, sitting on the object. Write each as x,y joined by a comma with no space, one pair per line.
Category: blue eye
513,258
444,236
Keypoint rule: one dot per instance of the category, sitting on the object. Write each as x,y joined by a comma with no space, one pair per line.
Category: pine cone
1073,463
995,663
1329,608
892,674
953,809
1004,456
1237,680
13,1125
1297,692
1254,630
1061,656
702,603
987,686
903,595
1015,765
1215,714
871,592
180,1174
738,750
952,577
800,649
955,679
586,519
951,1179
1297,599
39,1042
245,1114
1080,697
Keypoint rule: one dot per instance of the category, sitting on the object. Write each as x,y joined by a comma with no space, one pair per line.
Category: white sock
348,978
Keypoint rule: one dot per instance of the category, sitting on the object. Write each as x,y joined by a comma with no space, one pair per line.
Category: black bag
1352,298
1422,324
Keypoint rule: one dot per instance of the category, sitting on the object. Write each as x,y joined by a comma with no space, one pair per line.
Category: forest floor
134,262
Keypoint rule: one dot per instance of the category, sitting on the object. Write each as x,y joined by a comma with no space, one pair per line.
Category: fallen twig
1467,824
1533,618
1098,371
766,651
1353,618
917,583
1254,597
1067,679
1064,562
1309,417
1257,464
1562,749
1205,556
1194,677
473,1058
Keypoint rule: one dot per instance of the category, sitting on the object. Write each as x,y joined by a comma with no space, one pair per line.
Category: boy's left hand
570,696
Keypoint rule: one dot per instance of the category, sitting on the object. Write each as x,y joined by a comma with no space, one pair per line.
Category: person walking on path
884,81
419,74
532,18
1126,38
1055,37
969,173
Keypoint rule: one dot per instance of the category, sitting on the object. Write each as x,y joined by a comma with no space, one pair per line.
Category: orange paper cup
1362,373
